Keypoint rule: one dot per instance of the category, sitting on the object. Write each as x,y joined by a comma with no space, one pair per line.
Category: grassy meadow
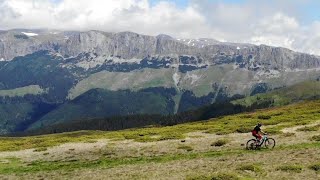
211,149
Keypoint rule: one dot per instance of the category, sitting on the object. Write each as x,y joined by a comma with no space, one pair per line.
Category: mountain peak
163,36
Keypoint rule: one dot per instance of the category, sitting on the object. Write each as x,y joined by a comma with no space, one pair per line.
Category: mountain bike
253,144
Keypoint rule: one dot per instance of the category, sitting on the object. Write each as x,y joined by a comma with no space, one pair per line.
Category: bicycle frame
263,139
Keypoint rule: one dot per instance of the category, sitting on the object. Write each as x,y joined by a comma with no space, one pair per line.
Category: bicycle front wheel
251,144
270,143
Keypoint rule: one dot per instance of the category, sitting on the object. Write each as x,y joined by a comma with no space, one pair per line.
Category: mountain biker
256,132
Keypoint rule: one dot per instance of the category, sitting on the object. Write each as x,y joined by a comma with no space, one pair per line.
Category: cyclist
256,132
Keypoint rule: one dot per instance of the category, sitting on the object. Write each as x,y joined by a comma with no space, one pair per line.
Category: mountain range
50,76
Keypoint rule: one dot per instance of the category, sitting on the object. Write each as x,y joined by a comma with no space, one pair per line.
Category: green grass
250,167
105,80
290,168
264,117
310,128
304,90
32,89
283,117
16,166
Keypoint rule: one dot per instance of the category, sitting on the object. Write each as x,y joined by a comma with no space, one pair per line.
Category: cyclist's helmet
259,124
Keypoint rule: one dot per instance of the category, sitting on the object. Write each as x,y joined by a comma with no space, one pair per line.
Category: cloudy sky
294,24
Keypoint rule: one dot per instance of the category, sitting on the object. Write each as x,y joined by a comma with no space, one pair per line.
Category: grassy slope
286,116
32,89
98,103
287,95
12,114
122,157
134,80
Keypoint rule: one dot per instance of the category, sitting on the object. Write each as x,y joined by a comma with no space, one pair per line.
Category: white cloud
277,30
269,22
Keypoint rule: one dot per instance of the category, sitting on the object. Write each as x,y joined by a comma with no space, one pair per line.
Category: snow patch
29,34
2,59
238,47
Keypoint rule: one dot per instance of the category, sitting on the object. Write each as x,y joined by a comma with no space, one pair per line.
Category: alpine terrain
50,76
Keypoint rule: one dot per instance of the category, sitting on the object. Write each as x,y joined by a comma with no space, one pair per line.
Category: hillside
62,70
306,90
160,101
201,150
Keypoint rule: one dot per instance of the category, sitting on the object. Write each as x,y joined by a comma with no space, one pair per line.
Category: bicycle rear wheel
270,143
251,144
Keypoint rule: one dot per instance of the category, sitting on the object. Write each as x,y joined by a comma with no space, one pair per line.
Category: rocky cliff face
128,45
202,65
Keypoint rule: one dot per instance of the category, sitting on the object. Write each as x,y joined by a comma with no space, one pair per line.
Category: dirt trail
295,128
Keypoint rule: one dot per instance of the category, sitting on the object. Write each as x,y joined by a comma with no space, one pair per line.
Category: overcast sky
294,24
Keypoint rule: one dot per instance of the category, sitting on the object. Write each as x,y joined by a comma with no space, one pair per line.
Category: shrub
246,116
91,141
40,149
315,167
250,167
278,114
220,176
264,117
243,129
290,168
315,138
225,176
220,142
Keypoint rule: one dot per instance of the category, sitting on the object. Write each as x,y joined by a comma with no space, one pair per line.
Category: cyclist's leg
259,137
